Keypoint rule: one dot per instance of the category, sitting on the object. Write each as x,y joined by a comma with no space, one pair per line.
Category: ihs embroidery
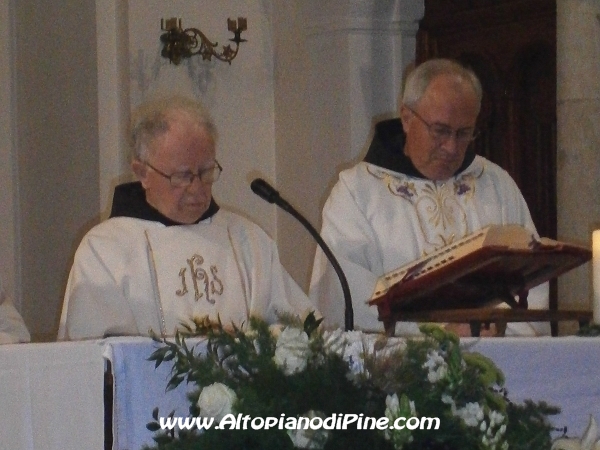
200,278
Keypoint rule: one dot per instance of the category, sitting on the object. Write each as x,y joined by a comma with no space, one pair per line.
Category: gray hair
418,80
152,119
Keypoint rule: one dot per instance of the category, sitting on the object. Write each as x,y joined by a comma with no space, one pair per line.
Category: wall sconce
179,43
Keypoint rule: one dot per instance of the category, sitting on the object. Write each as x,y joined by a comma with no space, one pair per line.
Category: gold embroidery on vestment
206,287
163,324
184,290
439,206
216,282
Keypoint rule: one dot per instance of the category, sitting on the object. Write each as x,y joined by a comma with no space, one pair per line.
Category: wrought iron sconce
179,44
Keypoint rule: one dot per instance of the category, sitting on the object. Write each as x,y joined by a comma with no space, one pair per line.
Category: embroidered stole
195,273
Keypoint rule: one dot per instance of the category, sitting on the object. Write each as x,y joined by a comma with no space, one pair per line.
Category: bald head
439,112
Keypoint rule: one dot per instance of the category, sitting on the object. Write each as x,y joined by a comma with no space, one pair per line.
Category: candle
231,25
596,275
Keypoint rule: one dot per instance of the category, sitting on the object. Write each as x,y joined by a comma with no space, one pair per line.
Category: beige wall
56,115
9,263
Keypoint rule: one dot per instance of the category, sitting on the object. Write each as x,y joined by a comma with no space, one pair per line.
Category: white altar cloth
138,389
51,396
562,371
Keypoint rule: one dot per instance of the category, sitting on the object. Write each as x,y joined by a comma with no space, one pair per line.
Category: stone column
338,67
578,117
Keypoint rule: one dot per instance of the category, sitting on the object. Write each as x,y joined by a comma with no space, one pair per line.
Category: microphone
267,192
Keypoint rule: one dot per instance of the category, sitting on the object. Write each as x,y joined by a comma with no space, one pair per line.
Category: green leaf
311,324
163,440
153,426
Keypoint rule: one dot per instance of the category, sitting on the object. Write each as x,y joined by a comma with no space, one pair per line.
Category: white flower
216,400
448,400
335,341
292,350
436,366
396,408
348,344
355,357
413,409
392,404
471,414
392,411
309,438
496,418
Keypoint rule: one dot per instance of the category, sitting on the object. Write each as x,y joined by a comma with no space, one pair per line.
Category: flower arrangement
297,373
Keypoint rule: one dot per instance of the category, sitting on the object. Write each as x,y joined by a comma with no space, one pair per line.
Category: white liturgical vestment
12,327
376,220
132,275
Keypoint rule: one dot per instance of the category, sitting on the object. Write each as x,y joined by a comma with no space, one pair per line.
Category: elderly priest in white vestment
169,252
420,187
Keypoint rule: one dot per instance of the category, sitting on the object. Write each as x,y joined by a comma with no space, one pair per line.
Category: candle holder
179,43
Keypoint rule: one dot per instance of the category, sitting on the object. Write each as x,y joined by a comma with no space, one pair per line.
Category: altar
52,394
563,371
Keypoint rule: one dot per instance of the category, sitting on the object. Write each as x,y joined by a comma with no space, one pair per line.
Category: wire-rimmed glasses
441,133
185,179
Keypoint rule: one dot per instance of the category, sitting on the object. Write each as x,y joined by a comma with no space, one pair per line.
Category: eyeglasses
185,179
443,133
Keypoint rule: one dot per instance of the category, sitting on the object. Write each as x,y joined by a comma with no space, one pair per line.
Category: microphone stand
264,190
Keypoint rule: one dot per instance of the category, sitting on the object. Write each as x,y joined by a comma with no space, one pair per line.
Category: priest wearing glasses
169,252
419,188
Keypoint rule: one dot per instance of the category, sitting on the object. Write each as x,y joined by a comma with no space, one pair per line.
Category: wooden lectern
466,281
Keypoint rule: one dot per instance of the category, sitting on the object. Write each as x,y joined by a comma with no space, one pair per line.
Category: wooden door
511,45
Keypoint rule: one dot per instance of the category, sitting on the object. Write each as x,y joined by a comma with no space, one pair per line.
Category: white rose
291,351
335,341
216,401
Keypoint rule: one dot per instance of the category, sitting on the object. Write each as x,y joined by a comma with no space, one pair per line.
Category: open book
486,268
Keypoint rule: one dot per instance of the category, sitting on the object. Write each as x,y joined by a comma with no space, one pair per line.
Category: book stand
464,282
